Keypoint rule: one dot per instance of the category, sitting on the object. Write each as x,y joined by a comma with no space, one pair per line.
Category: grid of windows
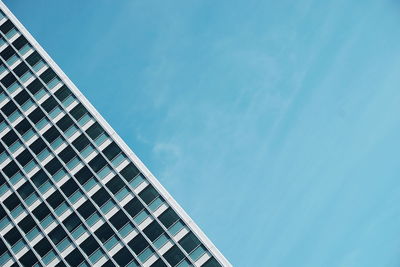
70,196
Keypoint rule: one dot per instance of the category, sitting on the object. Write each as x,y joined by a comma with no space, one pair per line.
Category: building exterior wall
72,192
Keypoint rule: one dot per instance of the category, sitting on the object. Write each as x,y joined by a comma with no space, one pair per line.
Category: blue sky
275,124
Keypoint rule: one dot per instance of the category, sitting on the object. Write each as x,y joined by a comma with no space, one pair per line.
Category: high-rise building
72,192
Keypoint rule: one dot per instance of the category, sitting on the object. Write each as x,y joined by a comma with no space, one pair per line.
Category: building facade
72,193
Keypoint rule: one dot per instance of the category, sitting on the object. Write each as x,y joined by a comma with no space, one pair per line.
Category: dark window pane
72,222
168,217
29,259
138,244
189,242
174,255
74,258
212,262
104,233
20,42
111,151
6,26
97,163
86,209
49,104
81,142
53,166
89,245
115,184
83,175
25,190
62,93
133,207
69,187
23,126
57,234
129,172
39,178
94,131
38,146
33,58
48,75
153,230
101,197
148,194
119,219
55,199
9,108
42,247
41,211
65,123
21,69
123,257
78,111
27,224
12,236
35,86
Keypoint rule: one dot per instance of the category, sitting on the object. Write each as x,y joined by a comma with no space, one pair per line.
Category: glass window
4,222
3,126
26,76
25,49
45,187
104,172
87,151
53,83
16,178
42,92
49,257
90,184
146,254
161,241
156,203
111,243
141,216
197,253
68,101
118,160
15,146
39,65
57,143
61,209
18,246
30,166
31,199
73,163
80,230
126,230
12,59
137,181
76,196
44,154
98,254
176,228
71,131
47,221
66,242
122,194
93,219
29,134
11,33
33,233
42,123
3,189
14,116
107,206
82,121
59,175
55,112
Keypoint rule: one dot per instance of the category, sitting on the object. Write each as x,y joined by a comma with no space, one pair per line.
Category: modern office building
72,193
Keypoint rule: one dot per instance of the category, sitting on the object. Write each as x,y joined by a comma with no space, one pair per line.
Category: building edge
135,159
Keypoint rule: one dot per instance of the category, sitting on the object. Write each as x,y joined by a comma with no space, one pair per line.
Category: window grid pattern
45,131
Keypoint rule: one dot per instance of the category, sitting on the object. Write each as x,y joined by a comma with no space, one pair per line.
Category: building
72,193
